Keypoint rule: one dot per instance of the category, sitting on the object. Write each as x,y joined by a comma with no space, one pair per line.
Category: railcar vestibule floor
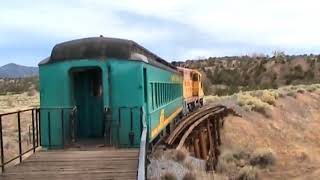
107,164
89,144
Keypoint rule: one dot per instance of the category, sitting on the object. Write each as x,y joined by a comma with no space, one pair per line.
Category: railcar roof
104,48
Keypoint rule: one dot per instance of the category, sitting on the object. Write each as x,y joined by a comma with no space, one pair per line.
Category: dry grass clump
179,155
189,165
240,164
248,173
316,86
281,94
253,103
189,176
31,92
202,175
263,158
211,99
230,161
157,154
311,88
301,90
292,94
269,97
168,176
10,103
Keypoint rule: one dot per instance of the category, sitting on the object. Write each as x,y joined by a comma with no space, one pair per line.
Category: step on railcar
98,89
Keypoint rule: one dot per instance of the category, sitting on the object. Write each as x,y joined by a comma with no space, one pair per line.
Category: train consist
106,86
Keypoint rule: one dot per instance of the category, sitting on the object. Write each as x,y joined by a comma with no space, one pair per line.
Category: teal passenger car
98,89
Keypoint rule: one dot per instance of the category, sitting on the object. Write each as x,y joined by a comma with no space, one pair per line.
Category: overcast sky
173,29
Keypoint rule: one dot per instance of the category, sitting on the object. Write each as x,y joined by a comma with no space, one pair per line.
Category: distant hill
227,75
17,71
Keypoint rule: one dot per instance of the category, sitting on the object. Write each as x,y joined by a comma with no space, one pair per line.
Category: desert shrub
269,97
176,155
188,165
211,99
180,154
168,176
254,104
248,173
263,158
31,92
10,103
157,154
281,94
311,88
18,85
230,160
226,167
292,94
239,153
189,176
293,87
300,90
247,108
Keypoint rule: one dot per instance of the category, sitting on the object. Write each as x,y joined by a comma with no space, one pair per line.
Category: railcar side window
152,96
164,93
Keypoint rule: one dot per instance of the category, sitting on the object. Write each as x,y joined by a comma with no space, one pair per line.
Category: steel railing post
19,134
39,119
33,132
62,127
49,129
37,130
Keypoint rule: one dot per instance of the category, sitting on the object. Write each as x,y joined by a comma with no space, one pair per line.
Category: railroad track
200,133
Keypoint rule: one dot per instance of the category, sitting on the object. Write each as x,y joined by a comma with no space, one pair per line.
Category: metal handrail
73,123
34,118
35,129
143,149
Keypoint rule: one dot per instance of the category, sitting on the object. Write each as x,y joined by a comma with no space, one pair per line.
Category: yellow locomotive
192,89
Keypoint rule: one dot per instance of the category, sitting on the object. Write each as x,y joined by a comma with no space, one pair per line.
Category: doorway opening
87,92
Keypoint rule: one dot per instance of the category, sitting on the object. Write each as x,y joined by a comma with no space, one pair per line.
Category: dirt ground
292,132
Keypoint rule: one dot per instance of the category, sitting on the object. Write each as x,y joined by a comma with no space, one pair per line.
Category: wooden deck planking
102,164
